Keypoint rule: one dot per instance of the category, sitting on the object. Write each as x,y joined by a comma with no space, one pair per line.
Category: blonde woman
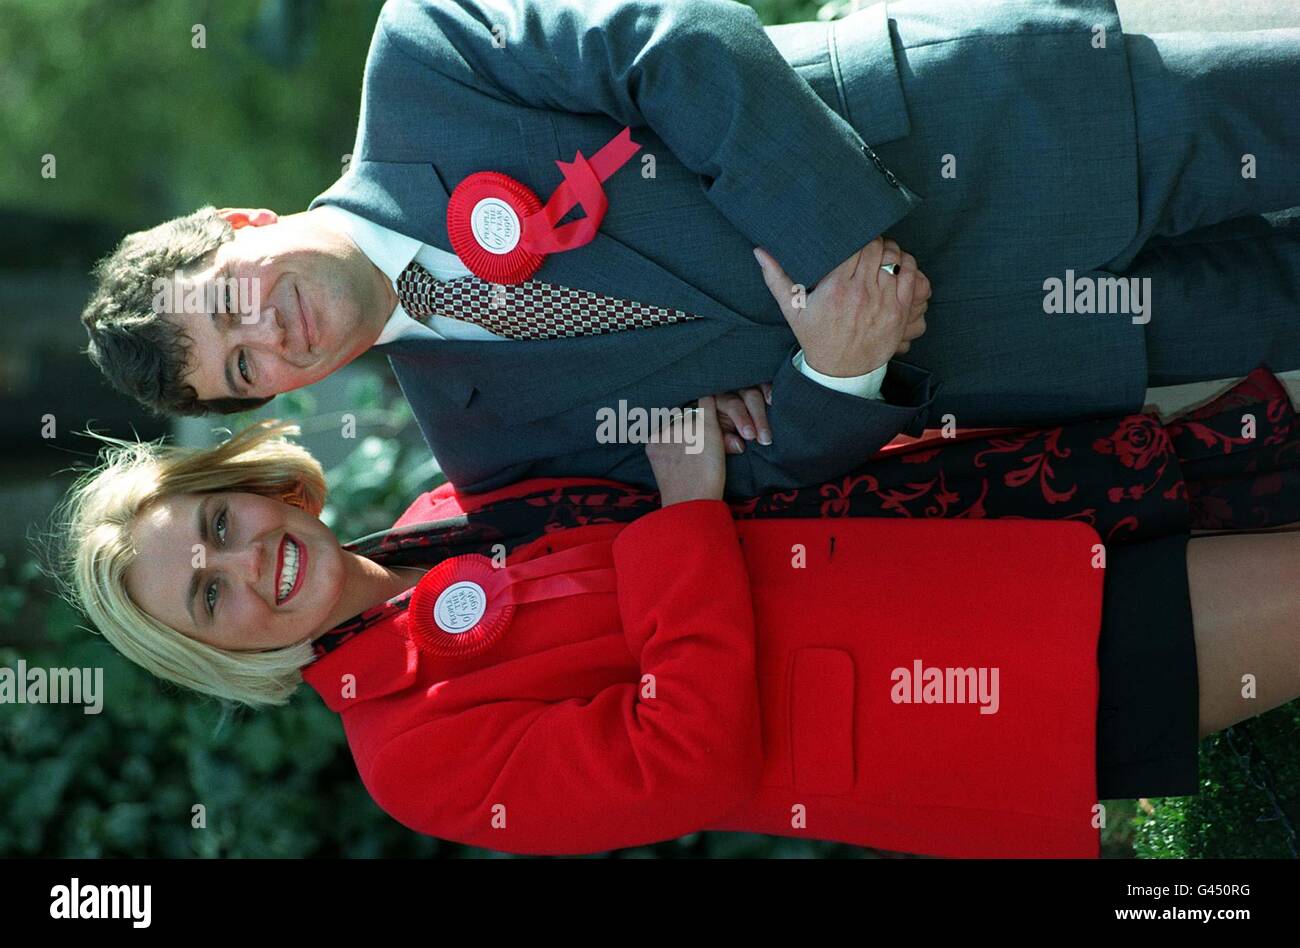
568,666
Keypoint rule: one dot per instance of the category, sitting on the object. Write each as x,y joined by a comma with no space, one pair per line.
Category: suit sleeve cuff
910,386
863,386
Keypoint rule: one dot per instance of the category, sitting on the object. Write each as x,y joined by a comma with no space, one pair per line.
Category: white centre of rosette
459,607
495,225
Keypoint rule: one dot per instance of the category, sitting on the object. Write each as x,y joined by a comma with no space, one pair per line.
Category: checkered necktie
528,310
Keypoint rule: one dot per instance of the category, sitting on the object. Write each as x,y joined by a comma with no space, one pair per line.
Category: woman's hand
743,415
688,461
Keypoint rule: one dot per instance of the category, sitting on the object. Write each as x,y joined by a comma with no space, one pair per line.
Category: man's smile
309,334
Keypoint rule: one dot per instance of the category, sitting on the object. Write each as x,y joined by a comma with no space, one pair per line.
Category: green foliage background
144,126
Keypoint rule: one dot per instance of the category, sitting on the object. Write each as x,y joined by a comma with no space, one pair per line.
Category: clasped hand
855,320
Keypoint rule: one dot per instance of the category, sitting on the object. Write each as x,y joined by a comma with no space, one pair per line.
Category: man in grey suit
1084,203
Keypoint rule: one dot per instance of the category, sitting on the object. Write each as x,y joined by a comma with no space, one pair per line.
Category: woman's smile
290,568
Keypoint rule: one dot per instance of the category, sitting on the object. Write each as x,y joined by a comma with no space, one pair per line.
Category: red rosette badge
501,230
459,608
485,221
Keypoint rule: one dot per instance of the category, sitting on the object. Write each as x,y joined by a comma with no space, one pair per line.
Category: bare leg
1245,592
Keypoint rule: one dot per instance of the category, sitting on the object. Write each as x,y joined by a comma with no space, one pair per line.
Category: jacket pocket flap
821,719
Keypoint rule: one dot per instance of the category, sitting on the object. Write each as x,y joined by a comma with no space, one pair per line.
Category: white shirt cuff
863,386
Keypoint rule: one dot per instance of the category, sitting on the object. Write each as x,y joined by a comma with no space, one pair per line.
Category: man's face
299,298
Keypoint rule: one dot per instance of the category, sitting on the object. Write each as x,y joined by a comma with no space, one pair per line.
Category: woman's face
235,570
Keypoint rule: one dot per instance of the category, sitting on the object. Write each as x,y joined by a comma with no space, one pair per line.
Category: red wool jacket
756,676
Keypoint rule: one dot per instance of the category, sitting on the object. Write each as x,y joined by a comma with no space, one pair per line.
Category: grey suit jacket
760,137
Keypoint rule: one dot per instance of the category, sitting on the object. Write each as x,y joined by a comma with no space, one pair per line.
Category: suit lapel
524,381
406,197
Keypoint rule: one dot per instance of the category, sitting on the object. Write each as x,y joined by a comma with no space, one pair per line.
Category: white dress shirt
392,252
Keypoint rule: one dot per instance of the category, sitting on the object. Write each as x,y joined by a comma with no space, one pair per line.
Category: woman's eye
243,367
219,527
210,597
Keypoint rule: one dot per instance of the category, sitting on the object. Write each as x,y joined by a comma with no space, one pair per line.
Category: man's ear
239,217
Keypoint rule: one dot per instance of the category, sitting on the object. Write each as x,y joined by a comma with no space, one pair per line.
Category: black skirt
1148,709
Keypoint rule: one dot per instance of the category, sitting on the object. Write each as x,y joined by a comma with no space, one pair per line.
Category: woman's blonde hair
95,549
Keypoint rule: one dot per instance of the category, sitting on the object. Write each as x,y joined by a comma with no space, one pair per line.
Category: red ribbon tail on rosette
463,605
582,569
582,186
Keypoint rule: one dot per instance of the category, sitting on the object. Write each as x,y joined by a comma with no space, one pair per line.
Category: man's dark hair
142,353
